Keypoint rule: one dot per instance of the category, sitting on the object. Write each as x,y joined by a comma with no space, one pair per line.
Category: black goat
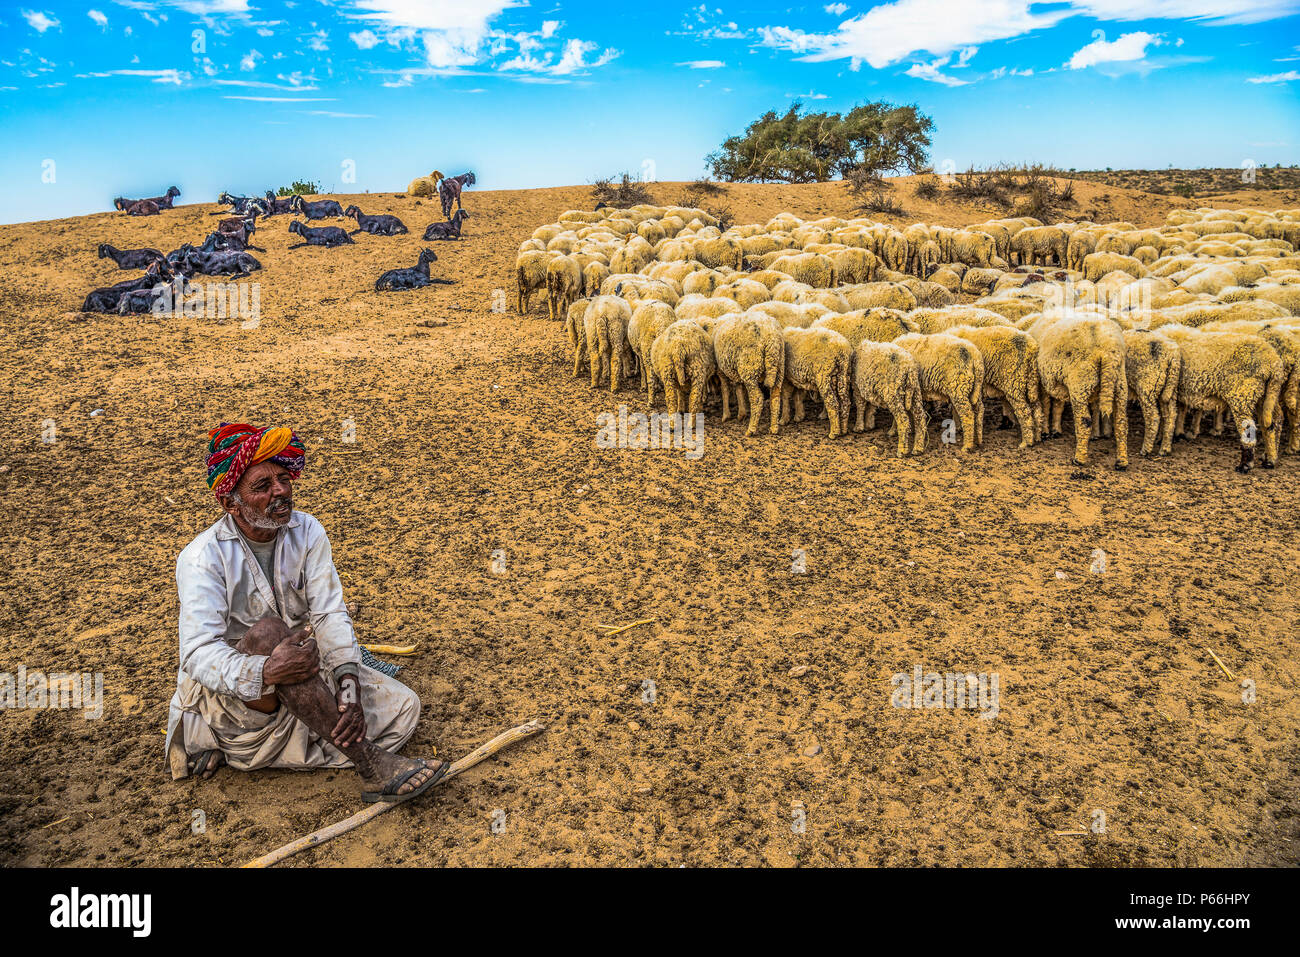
243,227
161,202
381,224
317,210
412,277
448,230
143,300
106,298
239,205
216,242
328,236
449,191
278,205
229,262
129,258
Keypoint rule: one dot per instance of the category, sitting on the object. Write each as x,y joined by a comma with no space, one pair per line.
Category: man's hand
293,660
352,720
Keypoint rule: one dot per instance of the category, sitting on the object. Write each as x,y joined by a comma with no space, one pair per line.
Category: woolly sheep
424,186
530,275
952,371
594,275
605,323
745,291
576,332
1039,246
817,360
696,307
812,269
887,376
563,284
1010,373
928,294
722,251
1081,361
649,318
749,350
1096,265
681,357
1152,366
703,281
1236,372
980,281
1285,338
887,295
971,247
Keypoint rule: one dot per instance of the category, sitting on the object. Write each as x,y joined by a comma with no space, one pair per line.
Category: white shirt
223,592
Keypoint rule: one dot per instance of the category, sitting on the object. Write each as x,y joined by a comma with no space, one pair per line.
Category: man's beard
265,520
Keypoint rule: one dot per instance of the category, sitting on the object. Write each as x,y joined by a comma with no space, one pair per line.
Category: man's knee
262,638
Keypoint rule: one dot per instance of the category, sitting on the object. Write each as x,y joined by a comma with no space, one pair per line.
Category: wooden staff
315,838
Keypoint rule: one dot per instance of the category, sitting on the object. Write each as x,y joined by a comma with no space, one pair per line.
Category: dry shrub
626,191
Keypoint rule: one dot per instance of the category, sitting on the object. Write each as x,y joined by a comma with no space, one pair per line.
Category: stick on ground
316,838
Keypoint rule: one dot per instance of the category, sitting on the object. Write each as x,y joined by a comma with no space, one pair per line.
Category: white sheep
952,371
750,353
887,376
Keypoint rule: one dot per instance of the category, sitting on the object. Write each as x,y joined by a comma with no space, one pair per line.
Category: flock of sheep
1199,315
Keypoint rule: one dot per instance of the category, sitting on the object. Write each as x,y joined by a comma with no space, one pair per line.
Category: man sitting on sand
270,669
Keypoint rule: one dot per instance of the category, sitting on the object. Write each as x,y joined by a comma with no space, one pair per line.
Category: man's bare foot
389,769
206,763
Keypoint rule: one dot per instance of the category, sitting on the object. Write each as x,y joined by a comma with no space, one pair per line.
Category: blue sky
128,97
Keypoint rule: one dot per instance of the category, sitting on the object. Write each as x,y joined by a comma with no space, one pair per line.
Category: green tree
795,147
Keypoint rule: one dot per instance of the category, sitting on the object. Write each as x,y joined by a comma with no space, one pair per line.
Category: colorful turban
234,446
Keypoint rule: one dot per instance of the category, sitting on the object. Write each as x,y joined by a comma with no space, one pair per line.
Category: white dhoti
250,739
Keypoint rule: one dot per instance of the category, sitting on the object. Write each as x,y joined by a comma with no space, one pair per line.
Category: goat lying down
412,277
380,224
129,258
327,236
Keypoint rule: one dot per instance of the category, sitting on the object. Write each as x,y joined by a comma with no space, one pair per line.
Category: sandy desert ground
472,436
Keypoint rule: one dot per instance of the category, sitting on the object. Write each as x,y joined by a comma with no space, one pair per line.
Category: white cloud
282,99
1129,46
38,21
806,96
891,32
572,60
249,61
208,8
836,9
1211,12
98,17
264,85
931,71
174,77
453,30
1287,77
365,39
703,64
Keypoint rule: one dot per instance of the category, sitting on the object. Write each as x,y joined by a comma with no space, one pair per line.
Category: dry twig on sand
316,838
